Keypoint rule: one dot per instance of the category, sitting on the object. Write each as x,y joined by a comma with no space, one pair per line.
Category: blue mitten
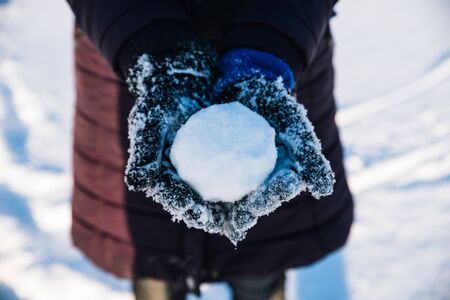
262,82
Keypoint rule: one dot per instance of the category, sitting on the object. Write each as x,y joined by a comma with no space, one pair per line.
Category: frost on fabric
294,131
300,166
169,90
190,71
184,204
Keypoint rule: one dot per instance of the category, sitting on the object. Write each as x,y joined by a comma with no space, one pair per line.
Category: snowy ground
393,88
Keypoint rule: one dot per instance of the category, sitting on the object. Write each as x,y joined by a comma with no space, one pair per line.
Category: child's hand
170,88
251,77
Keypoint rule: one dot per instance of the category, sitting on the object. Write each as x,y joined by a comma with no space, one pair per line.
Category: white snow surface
393,89
224,151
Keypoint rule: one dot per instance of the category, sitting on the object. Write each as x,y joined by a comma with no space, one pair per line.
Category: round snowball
224,151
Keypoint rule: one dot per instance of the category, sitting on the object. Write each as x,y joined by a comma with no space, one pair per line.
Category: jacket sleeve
289,29
116,25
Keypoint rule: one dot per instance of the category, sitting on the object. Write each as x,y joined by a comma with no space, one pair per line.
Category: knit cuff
267,39
161,36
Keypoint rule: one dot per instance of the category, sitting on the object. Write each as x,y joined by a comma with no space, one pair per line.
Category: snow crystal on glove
184,204
295,131
169,89
301,166
165,100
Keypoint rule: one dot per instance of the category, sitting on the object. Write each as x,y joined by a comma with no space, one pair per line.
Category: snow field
393,91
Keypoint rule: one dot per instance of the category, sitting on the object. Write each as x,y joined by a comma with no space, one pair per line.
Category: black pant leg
269,287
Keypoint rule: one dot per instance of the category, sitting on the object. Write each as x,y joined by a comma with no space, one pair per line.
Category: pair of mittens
173,86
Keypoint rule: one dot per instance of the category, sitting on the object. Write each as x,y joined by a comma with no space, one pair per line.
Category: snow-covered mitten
262,82
170,87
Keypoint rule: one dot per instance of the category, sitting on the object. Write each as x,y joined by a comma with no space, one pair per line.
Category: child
131,236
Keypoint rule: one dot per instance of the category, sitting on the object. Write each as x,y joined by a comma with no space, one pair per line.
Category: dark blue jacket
290,29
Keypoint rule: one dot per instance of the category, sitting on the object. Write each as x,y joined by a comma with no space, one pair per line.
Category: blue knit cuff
239,63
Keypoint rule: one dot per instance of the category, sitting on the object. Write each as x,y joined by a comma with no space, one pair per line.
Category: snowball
224,151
